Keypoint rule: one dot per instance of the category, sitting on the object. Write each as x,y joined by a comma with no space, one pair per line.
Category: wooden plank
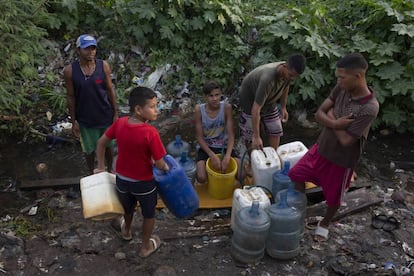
198,228
47,183
205,200
356,201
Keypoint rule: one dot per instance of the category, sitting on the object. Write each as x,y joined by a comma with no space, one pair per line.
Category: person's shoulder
373,101
67,70
198,107
227,106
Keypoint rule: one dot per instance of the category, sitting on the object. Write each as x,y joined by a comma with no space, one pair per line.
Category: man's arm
229,128
199,132
283,103
257,142
325,117
100,153
71,99
111,90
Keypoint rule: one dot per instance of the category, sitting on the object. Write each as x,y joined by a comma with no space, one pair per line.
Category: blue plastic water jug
295,199
188,165
176,147
280,179
249,234
175,189
284,234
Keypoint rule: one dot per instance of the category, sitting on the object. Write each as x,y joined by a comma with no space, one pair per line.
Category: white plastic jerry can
264,163
99,198
292,152
245,197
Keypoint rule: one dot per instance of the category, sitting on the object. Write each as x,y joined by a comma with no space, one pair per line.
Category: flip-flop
156,243
321,232
312,222
127,236
391,224
118,225
378,221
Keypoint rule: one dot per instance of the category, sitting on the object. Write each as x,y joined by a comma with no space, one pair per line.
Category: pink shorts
333,179
270,122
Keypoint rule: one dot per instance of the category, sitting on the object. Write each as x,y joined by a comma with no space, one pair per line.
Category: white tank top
214,129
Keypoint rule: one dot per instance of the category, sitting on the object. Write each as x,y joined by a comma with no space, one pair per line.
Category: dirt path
56,240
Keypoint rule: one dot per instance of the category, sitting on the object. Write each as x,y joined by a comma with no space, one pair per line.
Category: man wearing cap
91,99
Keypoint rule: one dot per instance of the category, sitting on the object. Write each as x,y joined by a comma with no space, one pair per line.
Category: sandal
385,223
127,236
378,221
391,224
321,233
156,243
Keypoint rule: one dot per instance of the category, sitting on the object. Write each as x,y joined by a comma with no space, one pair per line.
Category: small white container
99,198
291,152
264,163
245,197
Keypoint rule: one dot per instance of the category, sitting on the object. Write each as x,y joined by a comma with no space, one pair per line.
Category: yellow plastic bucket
221,185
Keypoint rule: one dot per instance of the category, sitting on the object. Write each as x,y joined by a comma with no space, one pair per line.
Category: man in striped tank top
214,132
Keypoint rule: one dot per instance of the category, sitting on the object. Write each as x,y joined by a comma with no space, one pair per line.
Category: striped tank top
214,129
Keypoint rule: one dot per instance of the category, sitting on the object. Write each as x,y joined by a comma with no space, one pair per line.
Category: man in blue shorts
260,92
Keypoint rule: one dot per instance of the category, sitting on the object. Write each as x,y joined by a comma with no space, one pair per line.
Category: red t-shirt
138,146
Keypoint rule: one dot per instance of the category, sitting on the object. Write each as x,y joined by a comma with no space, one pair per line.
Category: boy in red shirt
139,144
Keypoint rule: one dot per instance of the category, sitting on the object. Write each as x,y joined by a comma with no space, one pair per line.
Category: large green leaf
280,29
391,71
404,29
393,115
362,44
387,48
318,45
401,86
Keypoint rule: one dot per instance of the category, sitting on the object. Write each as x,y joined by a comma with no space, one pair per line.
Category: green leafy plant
202,40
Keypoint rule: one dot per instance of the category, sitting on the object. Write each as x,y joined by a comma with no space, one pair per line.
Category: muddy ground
57,240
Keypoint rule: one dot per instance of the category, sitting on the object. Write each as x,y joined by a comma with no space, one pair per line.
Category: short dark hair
139,96
353,61
297,62
210,86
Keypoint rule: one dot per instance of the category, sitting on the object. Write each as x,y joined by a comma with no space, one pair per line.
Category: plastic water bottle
280,179
249,234
295,199
284,234
188,165
176,147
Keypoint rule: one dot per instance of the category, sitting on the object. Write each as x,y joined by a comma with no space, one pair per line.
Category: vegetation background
203,40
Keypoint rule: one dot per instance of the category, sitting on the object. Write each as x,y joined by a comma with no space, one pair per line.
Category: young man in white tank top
214,132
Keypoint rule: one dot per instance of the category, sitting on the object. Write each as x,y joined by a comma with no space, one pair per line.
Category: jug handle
272,198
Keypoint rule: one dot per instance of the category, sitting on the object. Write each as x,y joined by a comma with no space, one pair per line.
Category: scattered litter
404,270
138,81
184,91
67,47
49,115
6,218
62,126
155,76
32,211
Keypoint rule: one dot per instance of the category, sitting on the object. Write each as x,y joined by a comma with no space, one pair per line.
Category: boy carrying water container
139,144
